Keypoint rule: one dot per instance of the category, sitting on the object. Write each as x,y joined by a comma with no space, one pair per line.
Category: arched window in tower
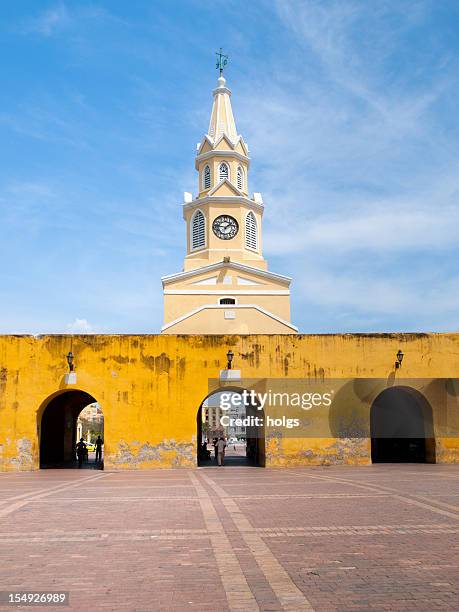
223,171
198,230
251,232
240,178
206,178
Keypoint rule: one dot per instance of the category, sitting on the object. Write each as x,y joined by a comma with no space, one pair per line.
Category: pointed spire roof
222,119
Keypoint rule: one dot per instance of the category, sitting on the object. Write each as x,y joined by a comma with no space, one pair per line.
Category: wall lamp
70,361
398,363
230,357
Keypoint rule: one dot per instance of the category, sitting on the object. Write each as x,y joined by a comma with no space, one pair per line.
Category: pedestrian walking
221,445
99,443
81,452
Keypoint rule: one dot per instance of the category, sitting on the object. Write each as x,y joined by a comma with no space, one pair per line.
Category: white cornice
227,307
204,156
221,90
223,200
232,265
225,288
234,143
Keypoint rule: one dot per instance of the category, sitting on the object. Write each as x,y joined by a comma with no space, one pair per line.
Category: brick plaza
383,537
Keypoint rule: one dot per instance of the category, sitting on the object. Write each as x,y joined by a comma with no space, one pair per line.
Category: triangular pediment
241,147
206,281
222,267
225,188
224,144
206,145
247,281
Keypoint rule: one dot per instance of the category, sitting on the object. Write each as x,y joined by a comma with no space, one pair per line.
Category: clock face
225,227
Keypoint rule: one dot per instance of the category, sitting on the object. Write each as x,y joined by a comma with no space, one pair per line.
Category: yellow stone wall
151,386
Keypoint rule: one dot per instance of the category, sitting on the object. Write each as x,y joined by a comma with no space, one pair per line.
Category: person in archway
204,452
81,452
99,443
221,445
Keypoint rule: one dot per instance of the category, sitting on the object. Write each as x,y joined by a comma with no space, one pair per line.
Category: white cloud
381,229
80,326
49,21
356,162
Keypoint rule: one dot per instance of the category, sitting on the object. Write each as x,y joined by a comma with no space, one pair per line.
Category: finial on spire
222,60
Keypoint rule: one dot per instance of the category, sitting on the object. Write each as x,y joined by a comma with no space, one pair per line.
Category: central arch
58,427
245,443
401,425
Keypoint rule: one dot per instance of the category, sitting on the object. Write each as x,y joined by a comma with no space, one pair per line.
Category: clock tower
225,286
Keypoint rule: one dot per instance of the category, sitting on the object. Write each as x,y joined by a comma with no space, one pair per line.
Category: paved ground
374,538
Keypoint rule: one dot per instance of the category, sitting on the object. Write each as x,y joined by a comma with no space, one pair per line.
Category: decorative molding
260,292
230,184
207,281
221,90
209,154
247,281
231,200
223,307
206,138
219,265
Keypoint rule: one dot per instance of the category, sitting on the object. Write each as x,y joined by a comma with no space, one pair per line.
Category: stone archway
250,446
57,427
401,423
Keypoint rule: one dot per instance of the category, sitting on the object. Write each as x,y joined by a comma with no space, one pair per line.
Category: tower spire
221,118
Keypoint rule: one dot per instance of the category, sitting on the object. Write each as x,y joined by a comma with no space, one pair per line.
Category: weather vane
221,61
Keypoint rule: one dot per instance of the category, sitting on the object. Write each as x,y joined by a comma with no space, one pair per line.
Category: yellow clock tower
225,286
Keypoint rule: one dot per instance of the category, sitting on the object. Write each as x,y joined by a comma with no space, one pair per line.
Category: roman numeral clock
225,227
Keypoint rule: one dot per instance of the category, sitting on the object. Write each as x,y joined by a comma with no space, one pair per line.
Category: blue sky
350,109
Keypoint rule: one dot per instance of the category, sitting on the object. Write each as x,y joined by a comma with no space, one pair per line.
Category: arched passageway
60,429
402,427
227,414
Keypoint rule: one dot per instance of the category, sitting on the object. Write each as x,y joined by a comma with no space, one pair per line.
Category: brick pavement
383,537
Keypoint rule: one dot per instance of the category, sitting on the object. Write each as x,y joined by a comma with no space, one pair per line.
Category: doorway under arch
401,423
58,427
245,443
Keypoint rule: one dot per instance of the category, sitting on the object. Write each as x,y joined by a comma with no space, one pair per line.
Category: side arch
57,419
402,430
255,435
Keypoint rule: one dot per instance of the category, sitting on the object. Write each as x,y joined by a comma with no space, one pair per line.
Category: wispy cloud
355,158
49,21
80,326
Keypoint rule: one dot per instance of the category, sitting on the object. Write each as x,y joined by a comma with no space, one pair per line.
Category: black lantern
398,363
230,356
70,361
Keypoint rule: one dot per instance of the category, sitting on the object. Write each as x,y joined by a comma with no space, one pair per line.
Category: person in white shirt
221,445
